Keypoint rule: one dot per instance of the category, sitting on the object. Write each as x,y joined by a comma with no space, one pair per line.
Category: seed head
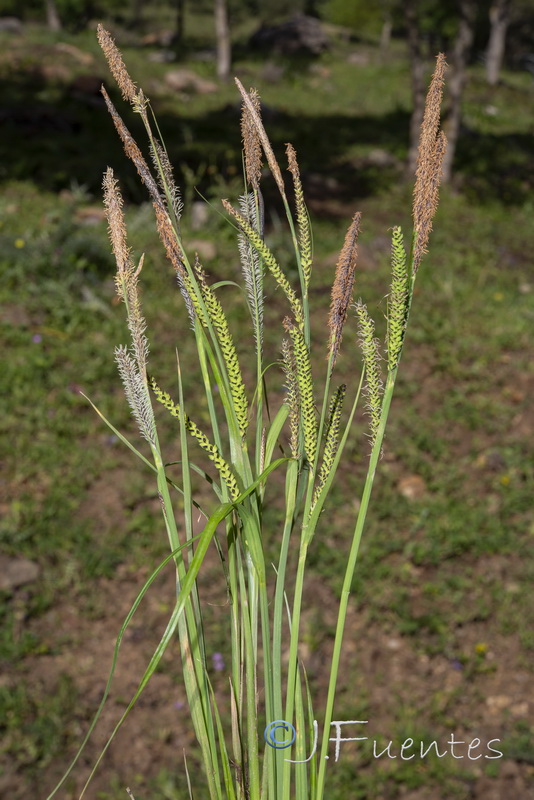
432,144
117,66
251,140
343,286
255,120
303,220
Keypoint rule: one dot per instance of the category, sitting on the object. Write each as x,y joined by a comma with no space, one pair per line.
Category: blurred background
440,637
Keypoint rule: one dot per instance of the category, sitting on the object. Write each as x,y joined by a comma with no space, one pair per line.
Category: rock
10,25
321,71
380,158
520,709
209,56
55,72
498,703
205,249
90,215
185,80
15,315
358,59
162,56
412,487
272,72
78,55
494,460
160,39
199,215
15,572
299,35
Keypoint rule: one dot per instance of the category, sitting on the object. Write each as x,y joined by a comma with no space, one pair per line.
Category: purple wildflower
218,662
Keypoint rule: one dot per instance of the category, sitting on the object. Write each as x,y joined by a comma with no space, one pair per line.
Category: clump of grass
243,438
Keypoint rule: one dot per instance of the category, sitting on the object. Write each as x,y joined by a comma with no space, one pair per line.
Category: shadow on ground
71,140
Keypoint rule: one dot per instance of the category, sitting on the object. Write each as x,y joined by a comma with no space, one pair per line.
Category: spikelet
133,152
343,286
303,219
292,395
136,392
220,324
117,231
398,299
164,224
432,145
175,256
251,140
132,366
255,120
255,239
116,65
371,359
252,266
212,450
305,388
166,181
331,440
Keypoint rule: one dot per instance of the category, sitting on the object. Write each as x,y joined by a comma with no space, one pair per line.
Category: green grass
462,394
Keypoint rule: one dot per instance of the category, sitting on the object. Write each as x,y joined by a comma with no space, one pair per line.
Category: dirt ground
388,669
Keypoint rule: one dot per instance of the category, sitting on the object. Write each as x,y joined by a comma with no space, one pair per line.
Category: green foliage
34,724
477,295
366,19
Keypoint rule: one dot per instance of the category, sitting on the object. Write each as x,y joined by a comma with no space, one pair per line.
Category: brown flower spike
432,145
343,286
133,152
255,119
116,65
251,140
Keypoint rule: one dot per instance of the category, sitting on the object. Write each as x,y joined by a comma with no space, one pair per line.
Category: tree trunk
52,17
385,34
222,32
456,82
136,19
499,18
417,69
310,8
180,8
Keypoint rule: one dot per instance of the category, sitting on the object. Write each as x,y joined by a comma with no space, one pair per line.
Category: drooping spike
292,396
303,220
269,260
252,266
331,439
211,449
371,358
229,352
342,287
432,146
305,387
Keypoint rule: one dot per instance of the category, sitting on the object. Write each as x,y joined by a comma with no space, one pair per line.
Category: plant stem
349,574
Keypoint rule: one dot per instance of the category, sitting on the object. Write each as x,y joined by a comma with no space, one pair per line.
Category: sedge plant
267,692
